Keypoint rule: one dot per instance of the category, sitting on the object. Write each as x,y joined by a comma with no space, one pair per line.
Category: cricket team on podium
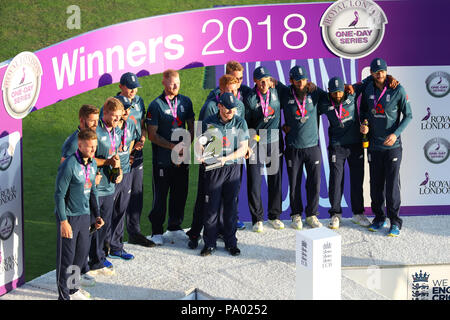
99,185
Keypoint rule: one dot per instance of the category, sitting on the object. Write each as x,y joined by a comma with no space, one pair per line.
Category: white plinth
318,265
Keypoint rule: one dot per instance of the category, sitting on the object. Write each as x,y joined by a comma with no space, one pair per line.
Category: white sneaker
103,271
277,224
158,239
361,219
297,222
258,227
80,295
335,221
87,280
177,234
313,222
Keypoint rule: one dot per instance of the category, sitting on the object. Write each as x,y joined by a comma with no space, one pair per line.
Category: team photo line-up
99,185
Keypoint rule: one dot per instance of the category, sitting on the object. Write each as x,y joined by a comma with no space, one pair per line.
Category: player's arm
62,185
405,109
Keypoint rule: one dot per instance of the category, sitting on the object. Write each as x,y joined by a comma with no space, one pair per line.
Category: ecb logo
353,28
420,287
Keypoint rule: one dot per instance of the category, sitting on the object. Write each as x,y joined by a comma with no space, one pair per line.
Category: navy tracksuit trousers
122,195
97,255
354,154
263,154
170,181
385,184
311,158
135,205
221,186
71,254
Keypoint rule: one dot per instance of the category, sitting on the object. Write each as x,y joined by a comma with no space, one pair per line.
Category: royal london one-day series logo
353,28
22,84
438,84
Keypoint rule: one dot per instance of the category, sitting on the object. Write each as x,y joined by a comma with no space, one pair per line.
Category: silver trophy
211,146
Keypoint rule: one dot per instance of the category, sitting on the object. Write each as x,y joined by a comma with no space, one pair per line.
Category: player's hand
120,177
139,146
99,223
285,128
364,129
390,140
392,82
66,230
114,161
311,87
98,178
348,88
249,153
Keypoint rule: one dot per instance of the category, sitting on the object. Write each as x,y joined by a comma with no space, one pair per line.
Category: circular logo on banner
22,84
7,221
437,150
6,155
438,84
353,29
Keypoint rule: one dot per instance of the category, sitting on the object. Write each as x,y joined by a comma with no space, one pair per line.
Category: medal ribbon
338,115
85,169
301,108
264,105
174,108
111,138
124,139
381,95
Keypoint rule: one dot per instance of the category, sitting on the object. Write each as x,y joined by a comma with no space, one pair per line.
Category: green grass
34,25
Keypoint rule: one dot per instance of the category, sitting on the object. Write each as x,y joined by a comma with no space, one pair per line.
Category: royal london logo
353,28
22,84
438,84
433,187
432,121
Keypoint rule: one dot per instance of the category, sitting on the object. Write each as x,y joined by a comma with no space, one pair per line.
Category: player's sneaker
277,224
87,280
297,222
258,227
121,254
80,295
102,271
361,219
158,239
313,222
394,231
240,225
335,221
377,225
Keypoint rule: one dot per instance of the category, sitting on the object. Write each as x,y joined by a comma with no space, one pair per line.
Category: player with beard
108,135
388,112
74,188
167,115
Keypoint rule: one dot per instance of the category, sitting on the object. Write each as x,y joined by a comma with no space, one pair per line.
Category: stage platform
264,270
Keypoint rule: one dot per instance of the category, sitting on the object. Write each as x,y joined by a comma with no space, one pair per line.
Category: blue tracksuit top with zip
72,192
338,135
70,146
232,132
301,135
255,116
126,138
105,150
384,115
159,114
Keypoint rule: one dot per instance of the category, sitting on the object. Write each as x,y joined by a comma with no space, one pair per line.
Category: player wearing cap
72,194
108,161
129,133
344,144
263,119
129,84
168,114
300,108
222,184
388,112
227,83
